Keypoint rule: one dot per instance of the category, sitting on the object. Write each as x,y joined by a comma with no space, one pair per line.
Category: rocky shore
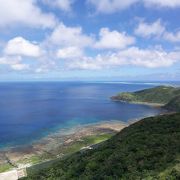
58,144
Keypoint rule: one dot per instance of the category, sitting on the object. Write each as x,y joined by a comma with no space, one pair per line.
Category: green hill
164,95
174,104
148,149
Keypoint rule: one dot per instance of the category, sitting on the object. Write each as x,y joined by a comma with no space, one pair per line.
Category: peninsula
167,97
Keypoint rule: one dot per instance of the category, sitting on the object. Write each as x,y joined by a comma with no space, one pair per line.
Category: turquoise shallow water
32,110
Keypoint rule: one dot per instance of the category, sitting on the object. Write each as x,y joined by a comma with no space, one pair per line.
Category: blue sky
89,40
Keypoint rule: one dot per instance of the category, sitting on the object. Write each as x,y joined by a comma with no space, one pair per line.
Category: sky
90,40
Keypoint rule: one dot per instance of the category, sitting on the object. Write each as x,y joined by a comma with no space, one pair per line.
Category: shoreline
155,105
58,144
61,131
62,142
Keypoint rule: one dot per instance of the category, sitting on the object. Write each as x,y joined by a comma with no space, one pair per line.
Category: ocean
31,110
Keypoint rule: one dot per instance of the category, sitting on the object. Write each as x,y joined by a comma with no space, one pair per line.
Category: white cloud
156,29
134,56
163,3
70,36
70,43
21,46
152,58
24,12
69,52
64,5
9,60
20,67
14,63
172,37
111,6
150,29
113,39
19,63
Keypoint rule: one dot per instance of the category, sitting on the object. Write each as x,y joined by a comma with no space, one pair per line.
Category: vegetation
86,141
5,167
148,149
174,104
165,95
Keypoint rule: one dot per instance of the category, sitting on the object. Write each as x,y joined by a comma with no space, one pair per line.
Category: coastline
56,146
59,144
156,105
62,142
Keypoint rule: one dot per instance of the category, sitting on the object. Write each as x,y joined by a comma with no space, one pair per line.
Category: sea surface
31,110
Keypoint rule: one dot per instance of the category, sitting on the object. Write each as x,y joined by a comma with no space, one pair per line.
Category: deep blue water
31,110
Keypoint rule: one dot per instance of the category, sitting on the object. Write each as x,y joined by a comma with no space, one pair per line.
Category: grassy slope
160,94
5,167
148,149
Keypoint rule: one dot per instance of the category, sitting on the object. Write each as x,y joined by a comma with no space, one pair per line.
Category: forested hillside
148,149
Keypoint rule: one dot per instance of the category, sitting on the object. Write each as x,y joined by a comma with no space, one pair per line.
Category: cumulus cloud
67,47
14,63
134,56
70,36
8,60
152,58
25,12
156,29
21,46
113,39
20,54
150,29
64,5
172,37
69,53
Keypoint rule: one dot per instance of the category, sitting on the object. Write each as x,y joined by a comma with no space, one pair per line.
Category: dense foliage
174,104
161,94
148,149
